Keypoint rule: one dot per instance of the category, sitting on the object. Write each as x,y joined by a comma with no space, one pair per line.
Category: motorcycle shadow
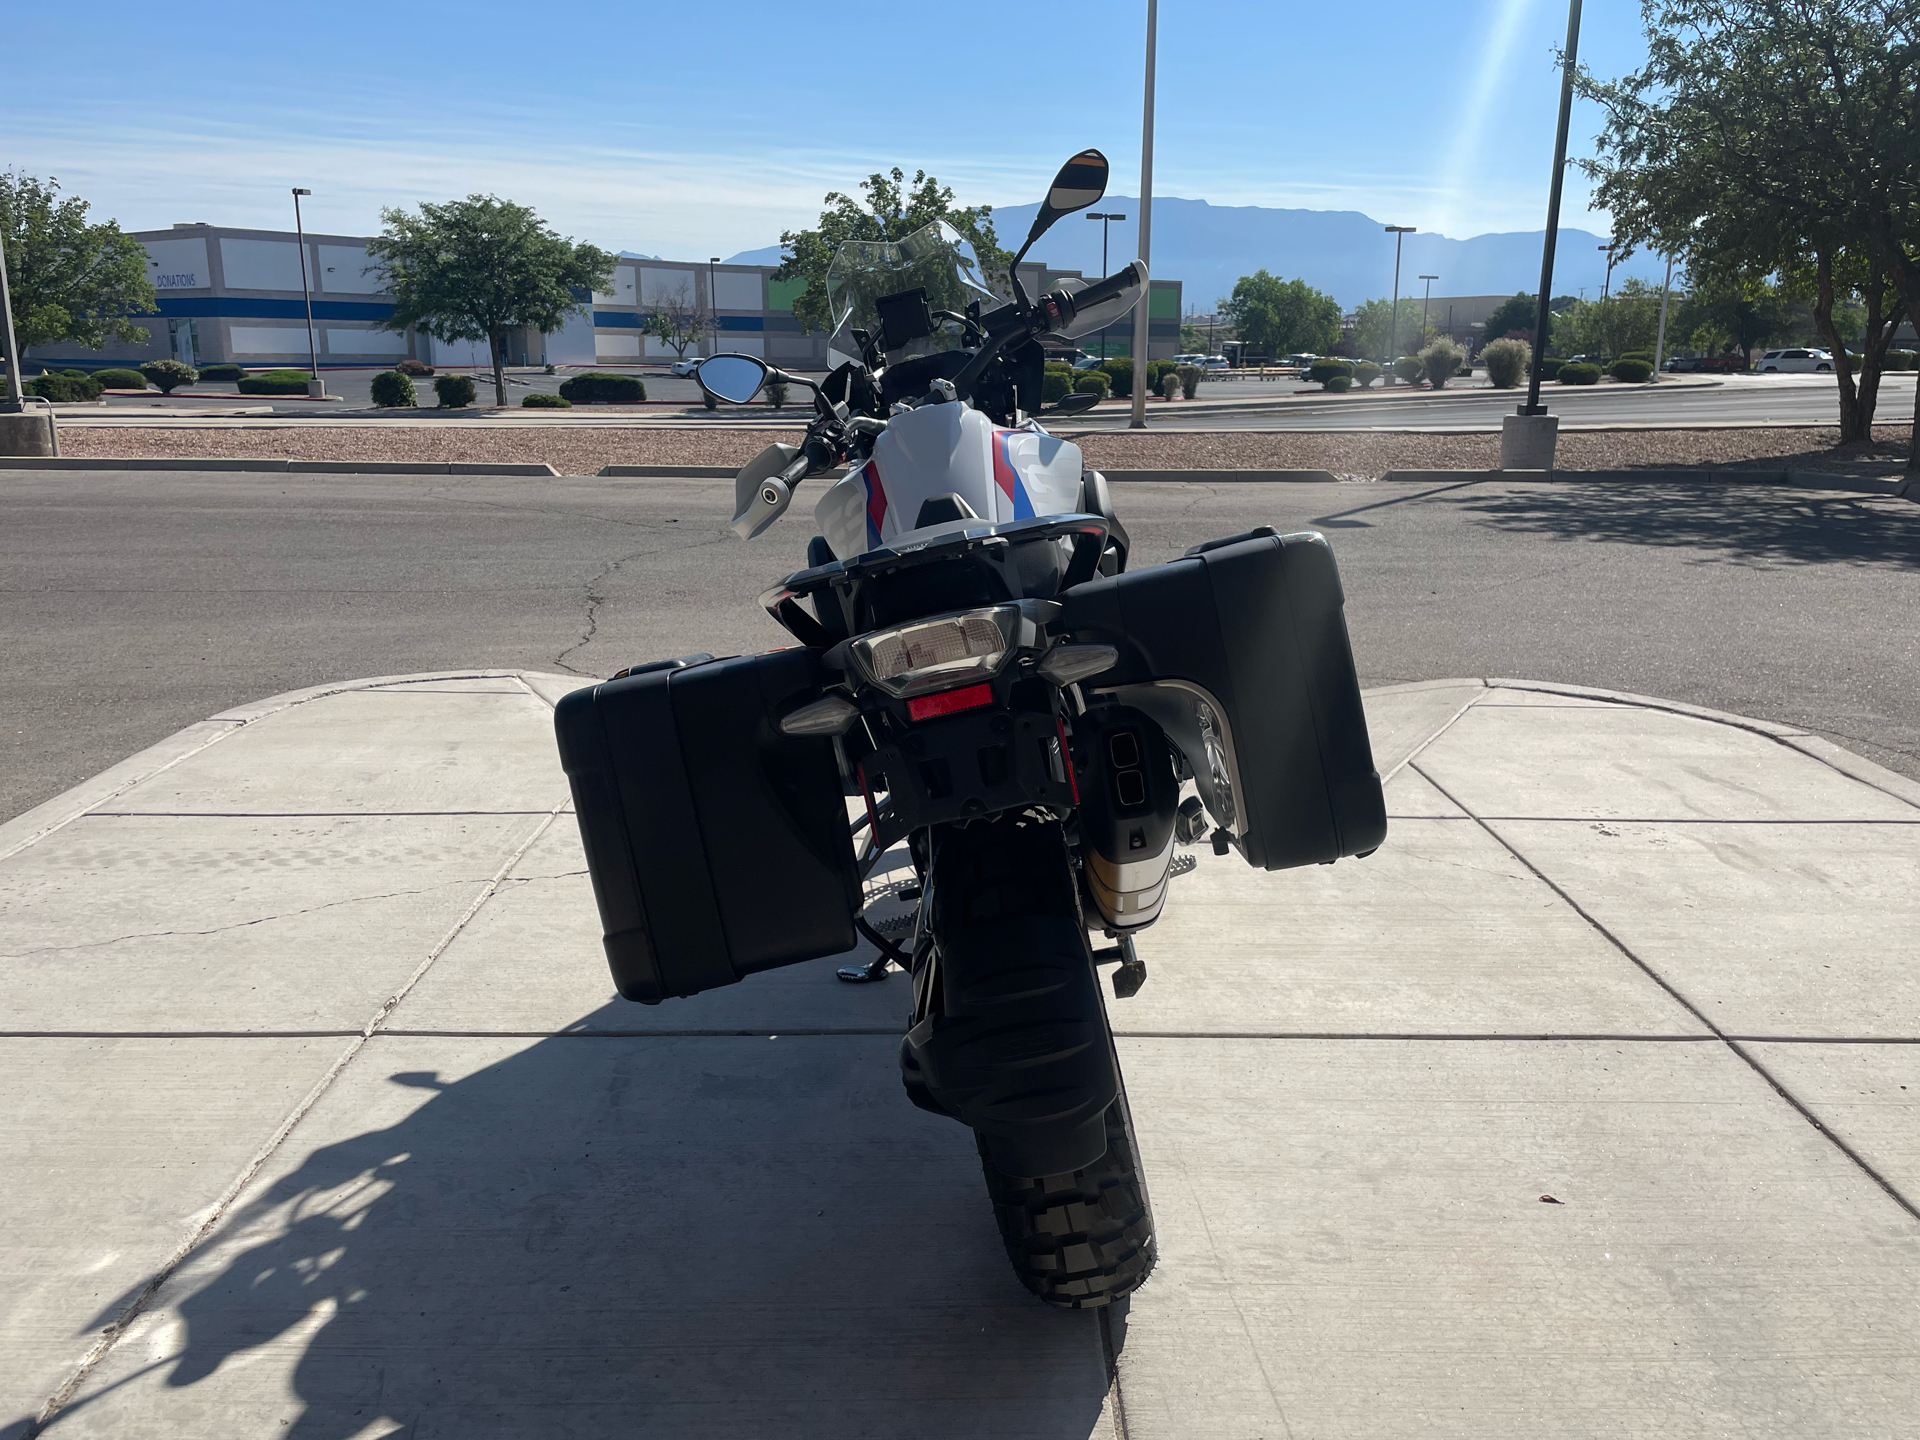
600,1235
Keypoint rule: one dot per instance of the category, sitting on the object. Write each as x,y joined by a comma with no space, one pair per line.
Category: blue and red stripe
1008,478
876,502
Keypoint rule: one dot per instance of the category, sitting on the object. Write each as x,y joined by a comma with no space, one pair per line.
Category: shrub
1169,386
169,374
1056,382
1340,384
63,389
275,382
1093,382
540,400
1646,355
550,370
1631,369
1901,359
1328,368
1548,366
220,370
455,391
596,387
1119,373
1190,377
413,367
1157,372
776,393
1365,372
1409,368
117,378
1581,374
393,390
1506,362
1442,360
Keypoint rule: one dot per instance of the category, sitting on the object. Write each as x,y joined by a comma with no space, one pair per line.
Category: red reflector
1066,758
968,697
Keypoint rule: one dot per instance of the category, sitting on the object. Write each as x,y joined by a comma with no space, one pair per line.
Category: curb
1800,479
297,467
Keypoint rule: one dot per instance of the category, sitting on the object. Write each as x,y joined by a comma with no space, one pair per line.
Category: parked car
1679,364
1214,362
1787,360
1088,362
685,367
1299,362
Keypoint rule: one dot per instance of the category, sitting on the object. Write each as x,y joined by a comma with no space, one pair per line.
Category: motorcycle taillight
941,653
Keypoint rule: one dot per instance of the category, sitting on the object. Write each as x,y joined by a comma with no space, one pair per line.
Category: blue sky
694,131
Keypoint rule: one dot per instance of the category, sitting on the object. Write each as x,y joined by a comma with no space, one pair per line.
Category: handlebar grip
797,471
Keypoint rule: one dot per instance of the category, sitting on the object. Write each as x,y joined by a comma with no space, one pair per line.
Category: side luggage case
718,846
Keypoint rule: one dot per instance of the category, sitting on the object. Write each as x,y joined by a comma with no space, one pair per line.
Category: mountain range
1343,252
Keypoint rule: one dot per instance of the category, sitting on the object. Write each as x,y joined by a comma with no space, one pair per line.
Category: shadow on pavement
1734,522
600,1236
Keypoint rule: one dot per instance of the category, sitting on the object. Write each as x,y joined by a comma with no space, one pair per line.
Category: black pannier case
1240,651
718,846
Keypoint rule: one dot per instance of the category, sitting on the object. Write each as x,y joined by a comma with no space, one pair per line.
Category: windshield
936,258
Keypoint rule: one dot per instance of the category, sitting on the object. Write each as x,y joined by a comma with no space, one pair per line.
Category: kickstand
1132,973
875,969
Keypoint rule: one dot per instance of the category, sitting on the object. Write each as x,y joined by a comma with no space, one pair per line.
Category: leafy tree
69,280
1738,311
1375,333
892,208
1517,317
1772,136
1275,316
677,319
479,268
1628,319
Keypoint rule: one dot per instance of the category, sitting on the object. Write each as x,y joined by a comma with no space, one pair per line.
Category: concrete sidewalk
1590,1105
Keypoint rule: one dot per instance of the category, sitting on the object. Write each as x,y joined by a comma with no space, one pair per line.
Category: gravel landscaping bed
581,451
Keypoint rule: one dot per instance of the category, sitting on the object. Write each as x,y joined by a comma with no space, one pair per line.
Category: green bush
394,391
63,388
1580,374
1365,372
1901,359
1119,373
1093,382
1646,355
455,391
1190,377
776,393
1631,369
540,400
1169,385
1157,372
116,378
275,382
596,387
169,375
220,370
1548,366
1340,384
1506,362
1409,368
1056,382
1442,361
1329,368
413,367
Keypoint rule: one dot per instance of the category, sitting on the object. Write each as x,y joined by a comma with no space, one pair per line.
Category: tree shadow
608,1235
1734,522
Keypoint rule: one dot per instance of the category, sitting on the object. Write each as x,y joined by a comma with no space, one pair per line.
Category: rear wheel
1083,1239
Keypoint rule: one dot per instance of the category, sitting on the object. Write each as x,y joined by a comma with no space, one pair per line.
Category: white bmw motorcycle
1040,727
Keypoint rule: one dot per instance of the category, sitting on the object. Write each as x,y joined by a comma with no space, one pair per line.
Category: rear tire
1084,1239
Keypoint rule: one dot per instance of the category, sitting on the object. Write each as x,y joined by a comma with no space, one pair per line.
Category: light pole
1426,300
1660,345
1140,314
1103,216
14,401
713,302
1527,436
1606,284
316,387
1393,335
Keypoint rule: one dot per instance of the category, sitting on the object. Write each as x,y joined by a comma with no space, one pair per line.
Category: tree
479,268
1374,330
677,319
1628,319
1774,136
892,209
69,280
1517,317
1275,316
1741,311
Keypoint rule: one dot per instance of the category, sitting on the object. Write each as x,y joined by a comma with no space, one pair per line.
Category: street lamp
1393,336
1103,216
713,301
1425,300
1607,284
316,387
1140,313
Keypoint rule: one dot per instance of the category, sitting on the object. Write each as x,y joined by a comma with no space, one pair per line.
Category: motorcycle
1030,728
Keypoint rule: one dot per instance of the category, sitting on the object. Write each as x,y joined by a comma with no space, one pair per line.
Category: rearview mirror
1074,403
1080,183
735,379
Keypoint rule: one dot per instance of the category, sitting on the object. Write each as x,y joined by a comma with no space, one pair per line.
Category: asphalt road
137,603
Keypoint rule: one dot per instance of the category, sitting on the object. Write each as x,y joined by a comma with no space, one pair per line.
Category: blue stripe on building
231,308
